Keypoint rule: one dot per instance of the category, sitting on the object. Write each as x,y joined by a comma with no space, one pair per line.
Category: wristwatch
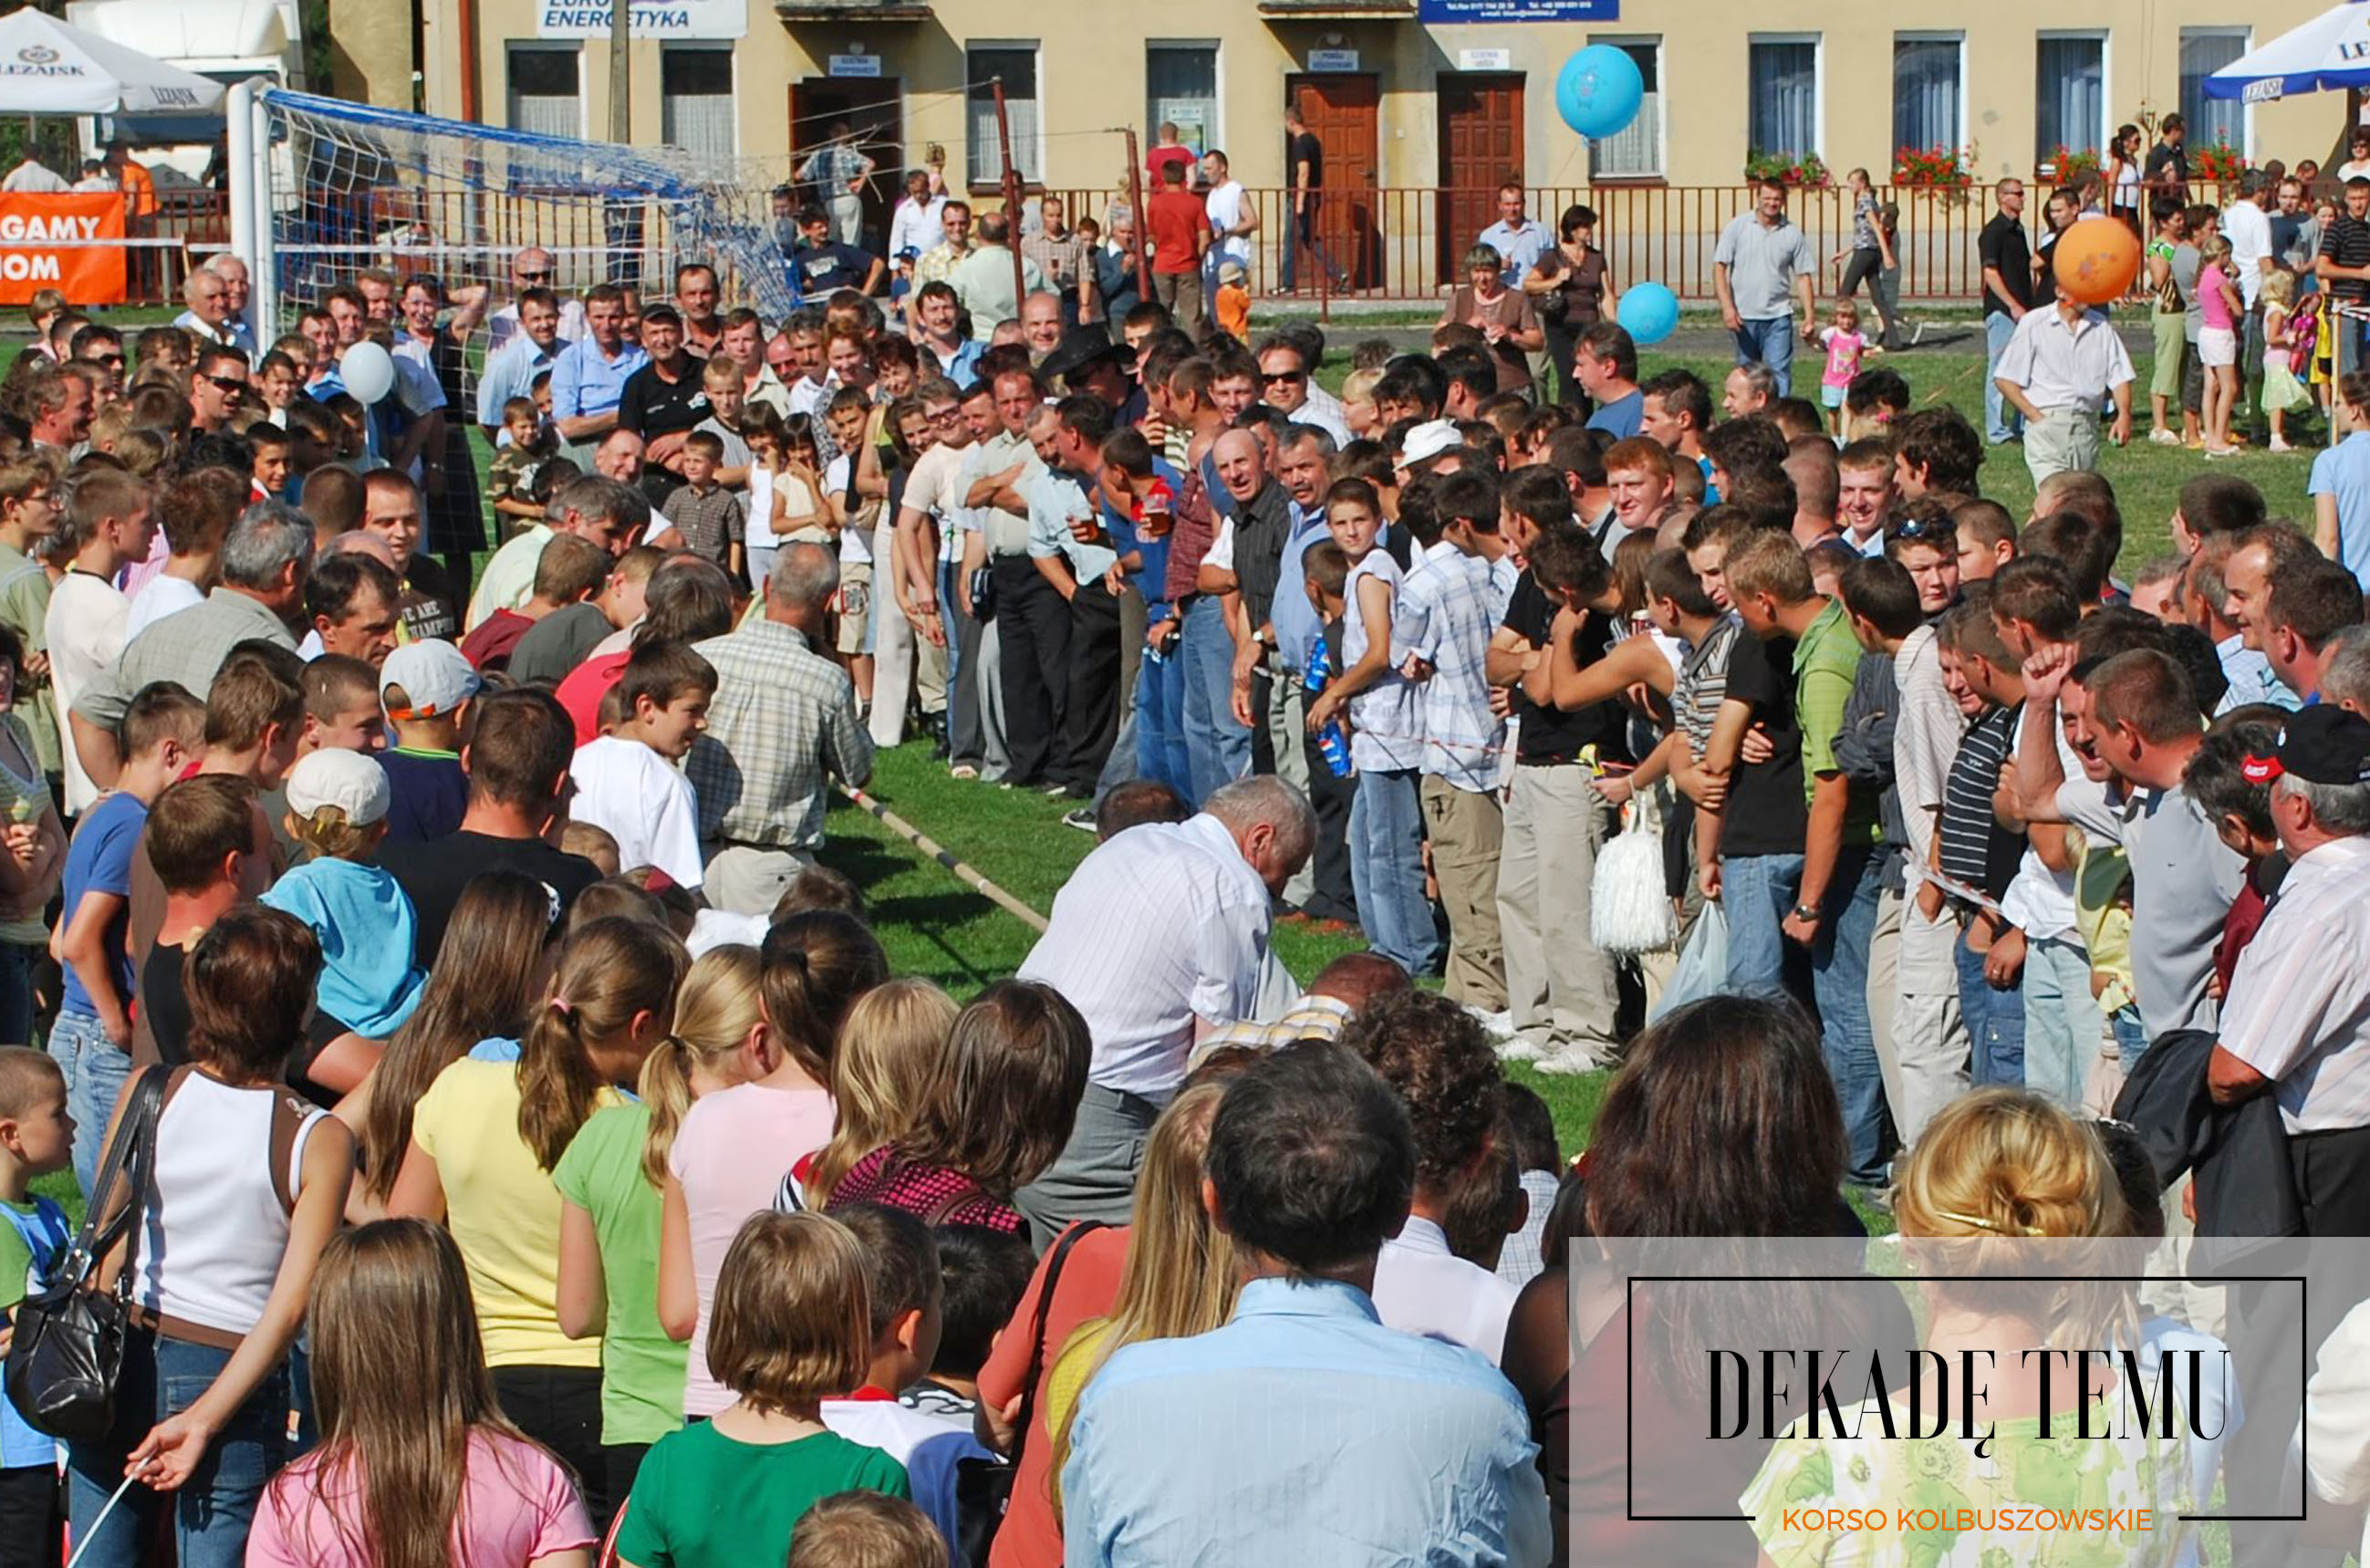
1805,912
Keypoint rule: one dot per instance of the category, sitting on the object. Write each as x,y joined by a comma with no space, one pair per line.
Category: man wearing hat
1088,360
2297,1022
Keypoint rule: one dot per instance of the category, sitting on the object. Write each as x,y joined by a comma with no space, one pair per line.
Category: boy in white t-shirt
849,416
629,781
107,524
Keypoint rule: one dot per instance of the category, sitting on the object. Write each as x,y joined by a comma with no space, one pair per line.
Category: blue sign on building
1441,11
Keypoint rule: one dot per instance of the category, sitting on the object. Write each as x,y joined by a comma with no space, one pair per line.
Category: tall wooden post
1011,197
1142,222
621,120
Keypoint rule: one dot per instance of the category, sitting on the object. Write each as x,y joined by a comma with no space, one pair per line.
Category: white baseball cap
436,678
1428,440
349,780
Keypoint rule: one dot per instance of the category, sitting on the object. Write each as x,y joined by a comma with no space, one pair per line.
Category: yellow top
2103,913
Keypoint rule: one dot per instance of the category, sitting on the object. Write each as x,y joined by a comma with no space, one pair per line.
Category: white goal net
346,187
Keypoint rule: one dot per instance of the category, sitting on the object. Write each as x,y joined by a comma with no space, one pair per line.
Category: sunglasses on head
1923,530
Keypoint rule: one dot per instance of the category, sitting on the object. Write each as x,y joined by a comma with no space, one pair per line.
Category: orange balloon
2097,260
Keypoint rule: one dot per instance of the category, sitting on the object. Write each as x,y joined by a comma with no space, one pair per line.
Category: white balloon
368,371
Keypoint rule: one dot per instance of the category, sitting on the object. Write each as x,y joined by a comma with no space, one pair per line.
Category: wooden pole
1142,222
1011,197
621,118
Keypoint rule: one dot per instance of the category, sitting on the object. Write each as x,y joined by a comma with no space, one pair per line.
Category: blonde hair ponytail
714,1014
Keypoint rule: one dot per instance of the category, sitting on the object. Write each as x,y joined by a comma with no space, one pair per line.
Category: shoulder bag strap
134,1134
1054,1261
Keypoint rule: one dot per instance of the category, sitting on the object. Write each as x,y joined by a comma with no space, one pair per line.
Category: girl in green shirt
791,1328
609,1183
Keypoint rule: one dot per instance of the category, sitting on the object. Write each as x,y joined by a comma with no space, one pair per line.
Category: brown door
1480,149
873,110
1342,111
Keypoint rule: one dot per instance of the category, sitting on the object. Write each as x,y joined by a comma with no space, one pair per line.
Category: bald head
1357,978
1242,469
357,541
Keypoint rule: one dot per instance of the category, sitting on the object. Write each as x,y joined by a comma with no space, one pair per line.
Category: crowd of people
453,923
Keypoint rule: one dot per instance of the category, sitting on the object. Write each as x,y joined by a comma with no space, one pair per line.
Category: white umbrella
2328,53
48,67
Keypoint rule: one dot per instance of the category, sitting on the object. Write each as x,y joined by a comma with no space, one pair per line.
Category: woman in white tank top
249,1185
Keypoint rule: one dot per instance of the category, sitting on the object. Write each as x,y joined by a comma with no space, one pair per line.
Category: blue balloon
1649,313
1599,90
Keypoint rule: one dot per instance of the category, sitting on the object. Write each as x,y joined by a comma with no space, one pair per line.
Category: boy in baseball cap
337,808
426,687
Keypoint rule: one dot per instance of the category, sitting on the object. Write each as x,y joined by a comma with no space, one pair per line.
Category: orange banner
46,243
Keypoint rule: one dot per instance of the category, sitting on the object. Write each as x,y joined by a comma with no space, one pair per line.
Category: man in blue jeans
1834,908
1762,268
2008,289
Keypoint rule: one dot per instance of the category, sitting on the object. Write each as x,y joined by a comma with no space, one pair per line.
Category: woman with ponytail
739,1143
417,1467
609,1183
484,1140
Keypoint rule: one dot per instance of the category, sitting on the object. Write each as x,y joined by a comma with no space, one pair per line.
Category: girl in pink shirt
2220,309
396,1479
738,1144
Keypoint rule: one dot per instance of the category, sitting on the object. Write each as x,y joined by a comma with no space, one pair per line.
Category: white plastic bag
1702,968
1629,912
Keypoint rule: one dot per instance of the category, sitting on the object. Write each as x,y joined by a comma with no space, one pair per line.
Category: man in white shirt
1436,1058
34,177
2296,1022
2059,368
108,522
1157,938
2247,227
531,269
1233,220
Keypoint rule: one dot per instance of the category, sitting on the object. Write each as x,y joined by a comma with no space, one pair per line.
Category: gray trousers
1095,1177
1287,731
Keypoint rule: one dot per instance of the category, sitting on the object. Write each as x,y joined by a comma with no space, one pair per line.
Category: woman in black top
1571,289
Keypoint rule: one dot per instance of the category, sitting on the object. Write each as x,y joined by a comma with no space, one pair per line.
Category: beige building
1404,107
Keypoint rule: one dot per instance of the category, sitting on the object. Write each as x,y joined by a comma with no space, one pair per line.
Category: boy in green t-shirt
36,1139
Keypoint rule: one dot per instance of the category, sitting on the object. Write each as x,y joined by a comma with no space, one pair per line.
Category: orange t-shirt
1030,1537
139,189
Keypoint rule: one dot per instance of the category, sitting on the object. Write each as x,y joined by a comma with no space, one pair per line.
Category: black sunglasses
228,383
1270,378
1923,529
542,277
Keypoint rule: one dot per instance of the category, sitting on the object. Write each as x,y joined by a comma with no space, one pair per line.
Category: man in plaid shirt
783,720
1455,597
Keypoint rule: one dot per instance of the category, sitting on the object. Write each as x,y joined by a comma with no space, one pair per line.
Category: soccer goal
323,189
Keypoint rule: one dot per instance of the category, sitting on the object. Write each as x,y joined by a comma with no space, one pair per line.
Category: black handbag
67,1354
983,1487
982,594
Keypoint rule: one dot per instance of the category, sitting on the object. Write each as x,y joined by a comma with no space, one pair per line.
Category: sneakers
2279,446
2163,437
1083,819
1572,1059
1519,1048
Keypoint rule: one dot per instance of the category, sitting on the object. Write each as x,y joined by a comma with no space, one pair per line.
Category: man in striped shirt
2297,1022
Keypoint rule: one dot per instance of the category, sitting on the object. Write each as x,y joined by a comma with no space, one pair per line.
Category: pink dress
735,1147
517,1505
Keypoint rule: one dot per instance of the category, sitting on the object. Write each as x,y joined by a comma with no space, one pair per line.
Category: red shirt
1179,225
489,646
1159,159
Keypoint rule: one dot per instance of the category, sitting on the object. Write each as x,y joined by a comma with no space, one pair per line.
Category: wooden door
874,111
1480,148
1343,112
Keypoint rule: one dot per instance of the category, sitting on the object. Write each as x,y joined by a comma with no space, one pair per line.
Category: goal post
323,189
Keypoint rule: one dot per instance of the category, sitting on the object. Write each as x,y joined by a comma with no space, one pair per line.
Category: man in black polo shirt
2344,267
2007,295
2166,173
1561,988
662,401
823,264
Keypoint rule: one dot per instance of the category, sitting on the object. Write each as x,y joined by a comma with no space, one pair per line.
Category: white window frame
702,46
2245,34
1662,104
1942,35
1035,49
573,47
2105,38
1818,42
1213,135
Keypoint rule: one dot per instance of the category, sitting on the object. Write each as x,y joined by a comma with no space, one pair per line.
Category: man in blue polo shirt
589,377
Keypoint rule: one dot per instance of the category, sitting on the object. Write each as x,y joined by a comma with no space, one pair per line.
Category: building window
695,97
1782,94
1180,89
2069,95
547,88
2210,121
1634,151
1929,90
1017,64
